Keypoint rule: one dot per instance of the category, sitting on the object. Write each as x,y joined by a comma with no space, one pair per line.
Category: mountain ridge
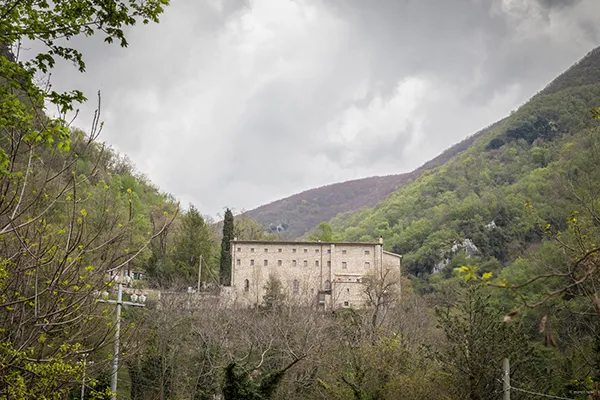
516,178
296,215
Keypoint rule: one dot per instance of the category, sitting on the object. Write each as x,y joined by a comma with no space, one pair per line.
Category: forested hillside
509,219
517,217
519,176
299,214
72,210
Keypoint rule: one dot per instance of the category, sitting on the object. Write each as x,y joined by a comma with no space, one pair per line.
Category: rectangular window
252,250
293,263
279,250
367,265
305,263
266,250
367,252
316,263
239,249
346,304
343,251
251,262
316,250
329,263
279,262
293,250
328,251
344,265
239,262
266,263
306,250
296,286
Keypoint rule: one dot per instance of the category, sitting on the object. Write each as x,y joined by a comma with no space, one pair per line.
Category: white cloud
229,103
362,129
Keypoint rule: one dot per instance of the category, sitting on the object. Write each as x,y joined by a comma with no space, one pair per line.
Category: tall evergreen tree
225,268
193,240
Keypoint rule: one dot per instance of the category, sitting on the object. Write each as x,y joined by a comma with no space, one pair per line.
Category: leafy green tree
248,229
324,233
239,385
228,235
50,23
274,297
66,221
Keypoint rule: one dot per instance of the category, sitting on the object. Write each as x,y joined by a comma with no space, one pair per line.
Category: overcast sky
240,103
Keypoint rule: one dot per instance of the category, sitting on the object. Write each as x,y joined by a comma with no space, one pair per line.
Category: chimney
380,239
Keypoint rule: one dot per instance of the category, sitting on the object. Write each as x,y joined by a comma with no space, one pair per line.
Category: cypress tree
225,266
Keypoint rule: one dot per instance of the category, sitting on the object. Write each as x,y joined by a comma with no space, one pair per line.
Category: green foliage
478,341
385,363
324,233
67,219
228,235
298,215
485,193
247,228
238,385
47,23
193,240
526,194
25,378
274,297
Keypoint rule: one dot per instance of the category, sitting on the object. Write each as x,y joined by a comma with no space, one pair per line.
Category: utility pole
199,272
83,379
115,360
506,379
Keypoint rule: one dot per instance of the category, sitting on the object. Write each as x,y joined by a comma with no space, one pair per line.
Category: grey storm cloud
558,3
239,103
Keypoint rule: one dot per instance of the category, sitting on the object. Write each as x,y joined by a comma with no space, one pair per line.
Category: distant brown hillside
299,214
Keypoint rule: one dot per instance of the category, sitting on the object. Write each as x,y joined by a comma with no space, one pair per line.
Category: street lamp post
115,361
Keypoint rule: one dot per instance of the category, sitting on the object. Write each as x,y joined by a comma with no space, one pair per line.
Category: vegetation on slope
485,195
71,211
526,195
295,216
520,209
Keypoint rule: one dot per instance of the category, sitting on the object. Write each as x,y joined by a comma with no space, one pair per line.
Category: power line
548,396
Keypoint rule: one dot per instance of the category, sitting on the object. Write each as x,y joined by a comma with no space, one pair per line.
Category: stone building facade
326,274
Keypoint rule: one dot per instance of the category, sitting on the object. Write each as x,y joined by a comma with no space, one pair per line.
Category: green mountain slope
294,216
518,175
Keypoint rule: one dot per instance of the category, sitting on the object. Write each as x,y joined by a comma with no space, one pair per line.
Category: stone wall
314,273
